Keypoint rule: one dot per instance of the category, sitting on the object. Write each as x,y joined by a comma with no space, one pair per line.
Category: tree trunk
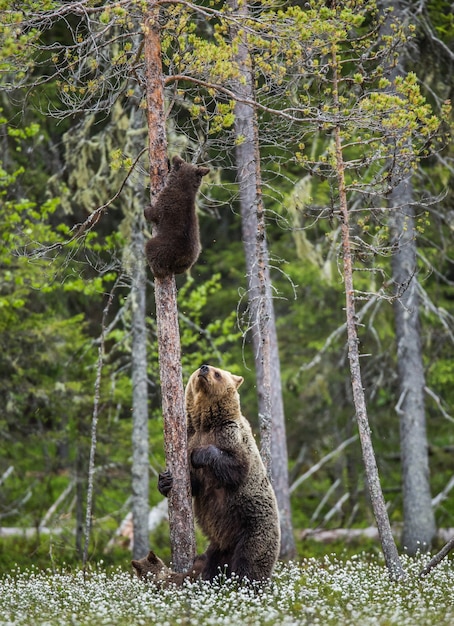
140,463
419,520
437,559
80,475
262,319
390,553
181,523
94,433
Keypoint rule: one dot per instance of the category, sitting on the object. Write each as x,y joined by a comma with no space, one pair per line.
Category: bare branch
324,500
322,462
337,508
335,335
438,401
442,496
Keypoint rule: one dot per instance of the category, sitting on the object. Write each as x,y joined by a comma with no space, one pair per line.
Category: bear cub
176,246
234,502
152,569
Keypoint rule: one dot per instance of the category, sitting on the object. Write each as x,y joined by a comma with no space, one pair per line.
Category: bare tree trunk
138,269
182,535
437,559
261,310
140,463
391,555
94,433
419,520
79,499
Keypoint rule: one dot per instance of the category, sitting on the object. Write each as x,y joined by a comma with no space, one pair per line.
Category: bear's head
187,175
151,568
210,387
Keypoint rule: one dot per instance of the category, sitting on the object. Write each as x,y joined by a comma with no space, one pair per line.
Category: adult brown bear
234,502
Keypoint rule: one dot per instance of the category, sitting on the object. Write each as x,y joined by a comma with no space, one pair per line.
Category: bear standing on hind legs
234,502
176,246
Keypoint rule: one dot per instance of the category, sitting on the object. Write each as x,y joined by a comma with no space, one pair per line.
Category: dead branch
322,462
337,508
438,401
438,558
338,332
57,503
442,496
324,500
6,473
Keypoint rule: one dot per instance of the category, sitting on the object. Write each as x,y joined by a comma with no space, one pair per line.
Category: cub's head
188,175
150,568
208,386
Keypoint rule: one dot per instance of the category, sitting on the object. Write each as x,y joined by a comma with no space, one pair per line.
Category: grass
326,591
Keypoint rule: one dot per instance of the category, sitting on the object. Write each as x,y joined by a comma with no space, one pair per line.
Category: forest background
73,136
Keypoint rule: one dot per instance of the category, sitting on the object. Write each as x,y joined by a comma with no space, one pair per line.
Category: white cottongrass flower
329,591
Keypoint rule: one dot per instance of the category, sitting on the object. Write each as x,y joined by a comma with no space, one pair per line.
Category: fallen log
353,534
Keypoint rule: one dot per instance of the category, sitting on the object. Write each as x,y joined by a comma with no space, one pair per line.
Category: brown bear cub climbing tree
176,246
234,502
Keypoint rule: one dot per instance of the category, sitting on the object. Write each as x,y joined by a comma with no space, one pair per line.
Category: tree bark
390,553
419,519
437,559
181,523
140,463
94,433
261,310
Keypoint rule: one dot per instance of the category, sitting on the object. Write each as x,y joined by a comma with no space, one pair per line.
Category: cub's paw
150,213
165,482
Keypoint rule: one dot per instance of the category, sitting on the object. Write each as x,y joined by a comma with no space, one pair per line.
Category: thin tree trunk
182,536
262,319
94,433
391,555
140,463
79,498
437,559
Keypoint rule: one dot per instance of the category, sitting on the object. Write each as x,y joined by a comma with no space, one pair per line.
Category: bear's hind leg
251,560
160,257
217,562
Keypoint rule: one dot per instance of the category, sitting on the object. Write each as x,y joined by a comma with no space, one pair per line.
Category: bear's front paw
165,482
205,455
150,213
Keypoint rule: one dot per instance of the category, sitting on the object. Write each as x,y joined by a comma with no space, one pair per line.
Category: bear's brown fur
152,569
176,246
234,502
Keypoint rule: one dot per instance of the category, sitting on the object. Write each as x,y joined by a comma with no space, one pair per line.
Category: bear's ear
202,171
152,558
238,380
136,565
177,162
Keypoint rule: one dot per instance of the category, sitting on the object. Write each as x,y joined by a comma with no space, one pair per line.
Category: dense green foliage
67,150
